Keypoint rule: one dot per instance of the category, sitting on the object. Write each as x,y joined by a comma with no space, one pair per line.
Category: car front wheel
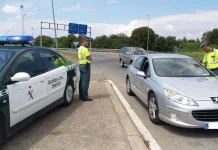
128,87
121,63
153,109
68,94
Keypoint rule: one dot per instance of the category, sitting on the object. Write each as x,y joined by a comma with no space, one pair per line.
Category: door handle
42,80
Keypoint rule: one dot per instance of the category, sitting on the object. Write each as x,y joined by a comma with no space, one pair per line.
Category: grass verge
70,57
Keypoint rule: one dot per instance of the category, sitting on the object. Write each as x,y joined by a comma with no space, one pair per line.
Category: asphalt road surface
167,136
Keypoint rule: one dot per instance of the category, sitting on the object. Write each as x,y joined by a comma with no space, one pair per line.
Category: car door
55,76
27,97
135,80
124,55
145,82
128,56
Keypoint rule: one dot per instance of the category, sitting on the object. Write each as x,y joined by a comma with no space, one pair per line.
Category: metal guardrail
92,49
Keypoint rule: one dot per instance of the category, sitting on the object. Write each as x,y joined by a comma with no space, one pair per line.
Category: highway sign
73,28
75,44
82,29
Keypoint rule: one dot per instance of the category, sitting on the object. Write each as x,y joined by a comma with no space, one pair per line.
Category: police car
33,80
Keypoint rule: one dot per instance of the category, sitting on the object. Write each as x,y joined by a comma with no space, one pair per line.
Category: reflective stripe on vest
214,59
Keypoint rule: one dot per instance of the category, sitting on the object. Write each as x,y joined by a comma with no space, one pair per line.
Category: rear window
5,57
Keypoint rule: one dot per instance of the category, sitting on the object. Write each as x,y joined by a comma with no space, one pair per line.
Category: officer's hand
89,57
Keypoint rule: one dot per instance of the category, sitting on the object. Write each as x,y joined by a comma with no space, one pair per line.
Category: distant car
177,90
128,54
33,80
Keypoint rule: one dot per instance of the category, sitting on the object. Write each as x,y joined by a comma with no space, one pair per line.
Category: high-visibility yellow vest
83,53
211,59
59,62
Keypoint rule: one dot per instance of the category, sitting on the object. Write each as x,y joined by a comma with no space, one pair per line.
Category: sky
189,18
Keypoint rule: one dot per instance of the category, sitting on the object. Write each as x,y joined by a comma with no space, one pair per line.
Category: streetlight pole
32,31
22,17
148,33
23,23
54,26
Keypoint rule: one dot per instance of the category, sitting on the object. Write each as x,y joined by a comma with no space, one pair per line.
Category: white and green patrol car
33,80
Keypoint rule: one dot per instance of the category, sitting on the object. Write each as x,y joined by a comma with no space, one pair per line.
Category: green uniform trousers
84,80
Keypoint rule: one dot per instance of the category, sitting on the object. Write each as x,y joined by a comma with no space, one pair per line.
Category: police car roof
14,48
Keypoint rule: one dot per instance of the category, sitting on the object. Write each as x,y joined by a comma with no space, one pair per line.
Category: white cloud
112,1
10,19
10,9
190,25
76,7
18,17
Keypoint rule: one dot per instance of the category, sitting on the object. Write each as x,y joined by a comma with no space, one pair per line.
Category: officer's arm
204,61
89,57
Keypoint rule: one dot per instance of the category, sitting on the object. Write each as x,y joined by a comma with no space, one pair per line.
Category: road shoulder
132,133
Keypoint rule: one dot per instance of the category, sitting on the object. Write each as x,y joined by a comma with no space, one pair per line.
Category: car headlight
179,98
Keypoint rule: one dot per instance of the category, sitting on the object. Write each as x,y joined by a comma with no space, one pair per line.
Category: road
167,136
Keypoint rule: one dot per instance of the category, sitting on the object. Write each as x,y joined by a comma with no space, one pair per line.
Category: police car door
56,76
26,97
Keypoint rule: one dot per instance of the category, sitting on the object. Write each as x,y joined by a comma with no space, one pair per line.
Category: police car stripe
71,67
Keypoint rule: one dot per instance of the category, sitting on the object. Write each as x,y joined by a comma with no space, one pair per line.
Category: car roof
164,55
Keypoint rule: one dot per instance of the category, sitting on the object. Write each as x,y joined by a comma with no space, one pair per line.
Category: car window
124,51
50,61
137,51
28,62
5,57
179,67
138,63
146,67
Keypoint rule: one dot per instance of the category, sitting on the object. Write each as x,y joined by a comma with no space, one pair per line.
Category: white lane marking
153,145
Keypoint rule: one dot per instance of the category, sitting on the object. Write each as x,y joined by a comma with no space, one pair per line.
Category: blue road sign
77,28
82,29
73,28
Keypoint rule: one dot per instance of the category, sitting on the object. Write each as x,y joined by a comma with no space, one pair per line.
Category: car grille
205,115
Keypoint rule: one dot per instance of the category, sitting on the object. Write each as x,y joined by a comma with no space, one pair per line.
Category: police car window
27,62
49,60
5,57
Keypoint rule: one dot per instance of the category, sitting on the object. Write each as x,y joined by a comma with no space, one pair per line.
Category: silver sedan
177,90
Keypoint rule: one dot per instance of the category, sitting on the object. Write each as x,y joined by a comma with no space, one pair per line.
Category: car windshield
5,56
137,51
179,67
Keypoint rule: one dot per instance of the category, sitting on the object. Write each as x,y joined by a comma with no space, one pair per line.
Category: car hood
200,88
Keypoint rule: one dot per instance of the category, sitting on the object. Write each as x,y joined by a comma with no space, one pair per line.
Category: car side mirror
20,76
141,74
127,53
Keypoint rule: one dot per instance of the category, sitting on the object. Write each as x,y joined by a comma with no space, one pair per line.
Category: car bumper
182,116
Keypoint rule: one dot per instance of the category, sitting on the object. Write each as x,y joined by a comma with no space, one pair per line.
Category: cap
203,45
84,37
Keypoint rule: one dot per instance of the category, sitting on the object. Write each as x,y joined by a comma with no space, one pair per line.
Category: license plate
212,125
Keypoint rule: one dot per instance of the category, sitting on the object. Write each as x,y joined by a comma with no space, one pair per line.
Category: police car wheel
68,94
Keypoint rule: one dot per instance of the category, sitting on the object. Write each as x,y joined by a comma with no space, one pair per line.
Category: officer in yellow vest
210,59
85,58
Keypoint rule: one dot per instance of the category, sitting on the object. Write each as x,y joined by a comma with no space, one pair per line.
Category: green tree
160,44
47,41
63,42
170,43
139,38
71,38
